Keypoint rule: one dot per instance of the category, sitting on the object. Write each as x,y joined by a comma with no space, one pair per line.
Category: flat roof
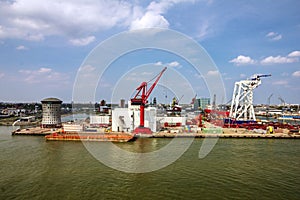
51,99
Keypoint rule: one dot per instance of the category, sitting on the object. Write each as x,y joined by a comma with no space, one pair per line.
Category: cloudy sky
43,43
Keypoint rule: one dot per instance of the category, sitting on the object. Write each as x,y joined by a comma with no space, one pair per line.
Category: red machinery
141,98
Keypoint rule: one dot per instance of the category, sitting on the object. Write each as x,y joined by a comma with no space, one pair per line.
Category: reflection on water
32,168
143,145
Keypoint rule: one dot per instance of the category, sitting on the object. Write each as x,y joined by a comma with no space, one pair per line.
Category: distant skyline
43,43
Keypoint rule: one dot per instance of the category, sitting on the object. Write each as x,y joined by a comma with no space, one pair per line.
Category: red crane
141,99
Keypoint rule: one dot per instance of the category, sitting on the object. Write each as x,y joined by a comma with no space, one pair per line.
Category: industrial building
99,121
201,103
177,121
127,119
51,113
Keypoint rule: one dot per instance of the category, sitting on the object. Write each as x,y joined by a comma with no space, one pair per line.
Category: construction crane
141,99
242,98
269,98
176,101
284,104
268,106
281,100
193,99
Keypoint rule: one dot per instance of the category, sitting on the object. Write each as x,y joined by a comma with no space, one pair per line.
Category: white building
127,119
172,121
51,112
99,121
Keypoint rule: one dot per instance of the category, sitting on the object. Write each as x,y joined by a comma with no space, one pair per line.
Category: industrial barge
85,136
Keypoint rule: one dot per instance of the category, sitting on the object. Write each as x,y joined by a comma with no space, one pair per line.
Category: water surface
32,168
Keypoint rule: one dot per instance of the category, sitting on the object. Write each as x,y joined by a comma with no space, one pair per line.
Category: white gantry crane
242,99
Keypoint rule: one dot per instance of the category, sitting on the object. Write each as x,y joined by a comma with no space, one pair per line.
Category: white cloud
242,60
77,20
278,60
294,54
243,75
150,20
173,64
159,63
203,30
296,74
225,76
147,73
284,74
2,75
213,73
87,72
82,41
44,70
274,36
34,20
153,16
138,77
43,75
87,68
290,58
270,34
281,82
21,47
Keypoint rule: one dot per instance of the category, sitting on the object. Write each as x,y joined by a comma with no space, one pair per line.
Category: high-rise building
51,112
122,103
201,103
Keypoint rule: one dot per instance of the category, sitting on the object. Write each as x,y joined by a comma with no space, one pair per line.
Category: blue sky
43,43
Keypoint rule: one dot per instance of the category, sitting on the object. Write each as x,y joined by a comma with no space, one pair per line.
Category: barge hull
95,138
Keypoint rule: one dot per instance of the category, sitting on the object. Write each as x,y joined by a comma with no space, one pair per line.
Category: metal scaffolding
242,98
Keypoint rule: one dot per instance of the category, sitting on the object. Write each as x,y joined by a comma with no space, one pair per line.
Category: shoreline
228,135
218,133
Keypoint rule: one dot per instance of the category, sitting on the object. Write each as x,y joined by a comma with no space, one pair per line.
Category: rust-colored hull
91,137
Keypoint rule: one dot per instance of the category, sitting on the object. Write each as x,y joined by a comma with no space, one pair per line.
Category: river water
32,168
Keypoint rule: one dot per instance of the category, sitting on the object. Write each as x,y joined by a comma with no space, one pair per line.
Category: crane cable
154,77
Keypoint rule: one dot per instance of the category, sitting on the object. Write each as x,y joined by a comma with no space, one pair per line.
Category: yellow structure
270,129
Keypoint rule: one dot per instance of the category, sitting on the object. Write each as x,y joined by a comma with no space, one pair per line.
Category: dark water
32,168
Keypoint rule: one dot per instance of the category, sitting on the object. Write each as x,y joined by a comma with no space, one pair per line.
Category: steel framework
141,99
242,98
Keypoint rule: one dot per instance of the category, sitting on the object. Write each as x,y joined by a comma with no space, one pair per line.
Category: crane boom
143,94
155,83
258,76
141,98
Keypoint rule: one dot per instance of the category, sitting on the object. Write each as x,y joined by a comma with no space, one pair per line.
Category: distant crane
176,101
284,104
193,99
242,98
269,99
268,106
141,99
281,100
